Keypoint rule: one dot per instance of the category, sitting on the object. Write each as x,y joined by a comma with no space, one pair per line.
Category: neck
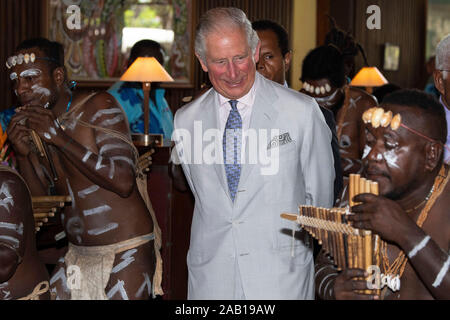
415,198
61,102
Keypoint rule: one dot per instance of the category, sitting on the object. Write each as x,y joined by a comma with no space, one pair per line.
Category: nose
22,86
232,71
260,65
375,154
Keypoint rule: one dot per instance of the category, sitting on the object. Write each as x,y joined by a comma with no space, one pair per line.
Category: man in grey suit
251,149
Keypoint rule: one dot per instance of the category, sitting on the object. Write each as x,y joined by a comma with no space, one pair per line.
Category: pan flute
347,246
46,207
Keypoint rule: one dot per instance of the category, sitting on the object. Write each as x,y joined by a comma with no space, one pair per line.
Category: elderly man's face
272,64
230,63
394,159
442,80
33,83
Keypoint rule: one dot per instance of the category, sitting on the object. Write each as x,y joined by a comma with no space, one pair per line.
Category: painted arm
388,219
15,203
112,164
19,136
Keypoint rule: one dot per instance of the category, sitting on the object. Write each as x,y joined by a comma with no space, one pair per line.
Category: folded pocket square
280,140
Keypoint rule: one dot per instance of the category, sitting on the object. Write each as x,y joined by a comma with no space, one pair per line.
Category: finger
14,121
357,217
367,225
359,296
367,207
353,273
365,197
352,285
34,109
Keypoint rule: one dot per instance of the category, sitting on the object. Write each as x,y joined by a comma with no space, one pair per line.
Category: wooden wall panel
403,23
279,11
19,20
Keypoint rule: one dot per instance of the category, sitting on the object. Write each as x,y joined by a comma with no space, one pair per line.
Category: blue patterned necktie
232,139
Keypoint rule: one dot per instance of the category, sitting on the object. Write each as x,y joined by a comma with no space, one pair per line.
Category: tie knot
233,104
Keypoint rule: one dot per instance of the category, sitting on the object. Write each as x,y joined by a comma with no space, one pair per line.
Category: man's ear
257,52
287,60
438,81
433,152
202,63
59,76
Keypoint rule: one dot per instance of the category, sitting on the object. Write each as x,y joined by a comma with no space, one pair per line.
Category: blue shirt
131,97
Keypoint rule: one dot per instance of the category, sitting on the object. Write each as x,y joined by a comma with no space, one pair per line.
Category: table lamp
369,77
146,70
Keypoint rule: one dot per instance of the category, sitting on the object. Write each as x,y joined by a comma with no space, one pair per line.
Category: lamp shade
146,69
369,77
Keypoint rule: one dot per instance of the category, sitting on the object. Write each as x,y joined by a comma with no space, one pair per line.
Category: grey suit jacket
247,238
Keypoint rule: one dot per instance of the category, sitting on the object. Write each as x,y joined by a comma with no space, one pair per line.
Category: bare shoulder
363,100
13,190
101,100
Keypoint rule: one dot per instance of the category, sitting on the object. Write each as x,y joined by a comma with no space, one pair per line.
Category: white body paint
119,287
39,90
71,194
14,241
105,111
419,247
122,158
108,227
442,273
97,210
127,258
391,159
52,131
6,200
12,226
47,135
111,146
30,73
113,121
112,169
147,283
99,164
366,152
86,156
85,192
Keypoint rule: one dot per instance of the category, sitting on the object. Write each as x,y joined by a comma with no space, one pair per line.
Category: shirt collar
245,101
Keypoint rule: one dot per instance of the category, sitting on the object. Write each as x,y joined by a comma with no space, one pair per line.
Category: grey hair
219,18
442,50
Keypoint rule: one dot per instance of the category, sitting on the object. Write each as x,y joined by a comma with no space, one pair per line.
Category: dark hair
324,62
54,51
384,90
431,109
345,42
280,32
150,46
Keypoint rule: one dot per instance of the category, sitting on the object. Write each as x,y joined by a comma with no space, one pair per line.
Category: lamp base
146,140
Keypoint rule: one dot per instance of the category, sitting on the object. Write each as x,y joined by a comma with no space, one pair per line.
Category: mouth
234,84
376,174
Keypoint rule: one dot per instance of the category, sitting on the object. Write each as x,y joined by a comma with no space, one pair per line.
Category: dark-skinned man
411,214
274,62
22,274
111,241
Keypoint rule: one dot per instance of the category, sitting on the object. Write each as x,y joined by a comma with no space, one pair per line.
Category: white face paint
39,90
367,150
391,158
379,157
13,76
31,73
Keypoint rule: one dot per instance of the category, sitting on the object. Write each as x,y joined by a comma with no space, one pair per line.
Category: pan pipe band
349,247
45,207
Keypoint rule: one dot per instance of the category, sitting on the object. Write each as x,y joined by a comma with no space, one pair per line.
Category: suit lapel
263,117
211,121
